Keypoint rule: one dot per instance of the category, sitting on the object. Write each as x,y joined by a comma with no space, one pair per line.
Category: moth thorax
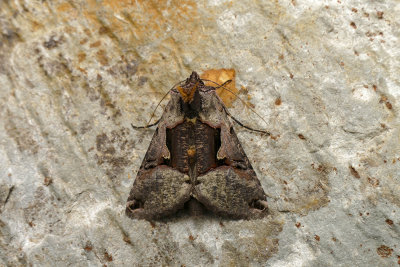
187,93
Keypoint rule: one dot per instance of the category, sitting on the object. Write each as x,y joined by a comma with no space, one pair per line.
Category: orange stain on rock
36,25
169,27
220,76
64,7
102,57
138,22
142,21
67,11
95,44
81,57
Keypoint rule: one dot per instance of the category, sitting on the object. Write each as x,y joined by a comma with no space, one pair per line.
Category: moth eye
134,204
231,130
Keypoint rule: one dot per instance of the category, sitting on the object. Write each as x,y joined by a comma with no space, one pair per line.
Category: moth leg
260,205
134,206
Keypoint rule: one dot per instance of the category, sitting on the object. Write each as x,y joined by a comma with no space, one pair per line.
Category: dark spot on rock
85,126
291,75
127,239
334,239
354,10
373,181
23,137
131,69
389,221
385,100
88,248
352,24
53,42
107,256
81,57
221,224
384,251
142,80
301,136
191,238
10,36
278,101
113,151
379,14
298,225
374,87
320,168
274,137
47,181
317,237
104,30
102,57
354,172
100,141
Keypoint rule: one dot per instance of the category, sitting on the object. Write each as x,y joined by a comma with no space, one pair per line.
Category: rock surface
323,75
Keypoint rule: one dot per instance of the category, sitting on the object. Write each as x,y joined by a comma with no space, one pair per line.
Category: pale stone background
323,74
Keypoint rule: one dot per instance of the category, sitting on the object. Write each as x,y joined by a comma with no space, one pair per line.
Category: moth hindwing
195,157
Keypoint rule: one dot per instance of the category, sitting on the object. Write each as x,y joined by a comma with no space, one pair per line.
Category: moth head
190,87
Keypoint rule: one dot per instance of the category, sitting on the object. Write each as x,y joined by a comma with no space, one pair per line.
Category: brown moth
195,158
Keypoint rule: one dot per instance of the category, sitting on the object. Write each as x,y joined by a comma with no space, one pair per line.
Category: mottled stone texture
324,75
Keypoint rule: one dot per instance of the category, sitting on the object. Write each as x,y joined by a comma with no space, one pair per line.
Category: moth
196,159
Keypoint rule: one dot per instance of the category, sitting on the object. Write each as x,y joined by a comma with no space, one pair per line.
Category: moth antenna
146,126
224,84
238,122
154,111
247,127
